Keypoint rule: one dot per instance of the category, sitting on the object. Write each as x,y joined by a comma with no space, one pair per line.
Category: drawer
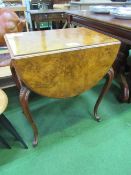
40,17
57,16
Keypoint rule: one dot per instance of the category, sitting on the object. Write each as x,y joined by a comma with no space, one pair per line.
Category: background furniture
5,72
61,1
60,64
18,7
6,123
9,23
116,28
45,6
57,16
81,5
37,4
34,4
6,77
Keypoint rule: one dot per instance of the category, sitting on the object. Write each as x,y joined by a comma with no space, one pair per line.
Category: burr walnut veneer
60,63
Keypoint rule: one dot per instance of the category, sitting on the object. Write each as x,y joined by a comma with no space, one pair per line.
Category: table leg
65,25
110,76
124,95
33,25
120,67
24,96
38,25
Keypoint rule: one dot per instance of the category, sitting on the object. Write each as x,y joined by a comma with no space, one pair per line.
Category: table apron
48,17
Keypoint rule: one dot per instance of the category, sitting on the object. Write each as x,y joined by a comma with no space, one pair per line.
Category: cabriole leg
110,76
24,96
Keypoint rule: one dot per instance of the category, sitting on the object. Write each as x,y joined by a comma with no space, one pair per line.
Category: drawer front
49,16
59,16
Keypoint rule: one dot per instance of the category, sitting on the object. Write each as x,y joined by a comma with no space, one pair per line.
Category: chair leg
2,140
110,76
7,124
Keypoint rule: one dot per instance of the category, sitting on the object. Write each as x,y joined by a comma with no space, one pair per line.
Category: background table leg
121,69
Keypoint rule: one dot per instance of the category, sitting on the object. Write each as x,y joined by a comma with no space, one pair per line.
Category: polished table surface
60,63
28,43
